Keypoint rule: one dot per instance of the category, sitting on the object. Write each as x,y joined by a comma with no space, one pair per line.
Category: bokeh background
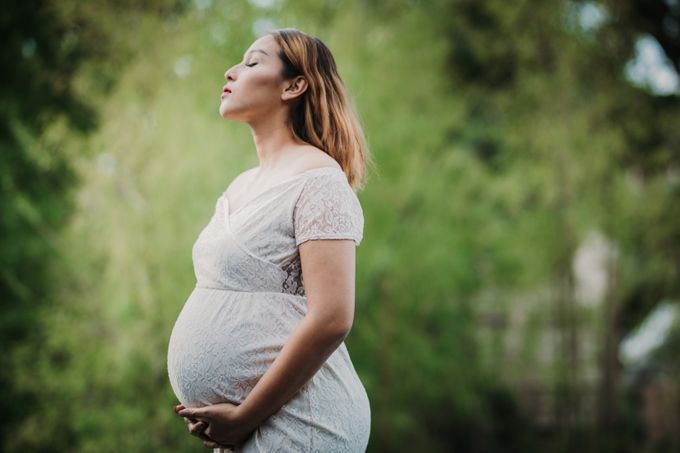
518,283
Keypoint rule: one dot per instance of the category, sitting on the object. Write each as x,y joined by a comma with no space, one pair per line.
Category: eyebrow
255,50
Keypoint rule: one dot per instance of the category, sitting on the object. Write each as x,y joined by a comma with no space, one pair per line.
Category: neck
272,137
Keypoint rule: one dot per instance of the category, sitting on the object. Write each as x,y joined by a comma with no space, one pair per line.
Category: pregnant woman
257,357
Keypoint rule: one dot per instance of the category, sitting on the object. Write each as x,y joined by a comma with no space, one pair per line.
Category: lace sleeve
328,208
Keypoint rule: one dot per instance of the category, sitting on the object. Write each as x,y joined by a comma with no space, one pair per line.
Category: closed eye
252,64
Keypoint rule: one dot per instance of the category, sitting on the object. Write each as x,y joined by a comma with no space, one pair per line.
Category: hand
196,428
225,424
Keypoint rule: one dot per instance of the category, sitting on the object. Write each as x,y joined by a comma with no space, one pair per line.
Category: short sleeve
328,208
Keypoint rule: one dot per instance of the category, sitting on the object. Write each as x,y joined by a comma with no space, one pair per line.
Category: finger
178,407
192,420
211,444
200,413
205,438
188,420
197,428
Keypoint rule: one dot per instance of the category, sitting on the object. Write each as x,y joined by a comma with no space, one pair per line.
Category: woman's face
257,88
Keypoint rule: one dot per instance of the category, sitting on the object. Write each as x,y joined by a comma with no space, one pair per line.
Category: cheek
262,87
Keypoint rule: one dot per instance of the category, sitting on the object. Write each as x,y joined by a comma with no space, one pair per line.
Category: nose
229,75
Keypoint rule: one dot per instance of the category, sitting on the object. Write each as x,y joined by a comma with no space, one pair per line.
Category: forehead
266,43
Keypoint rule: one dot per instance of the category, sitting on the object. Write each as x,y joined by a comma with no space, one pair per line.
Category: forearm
309,346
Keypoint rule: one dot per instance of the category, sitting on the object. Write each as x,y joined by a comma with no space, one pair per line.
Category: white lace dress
248,299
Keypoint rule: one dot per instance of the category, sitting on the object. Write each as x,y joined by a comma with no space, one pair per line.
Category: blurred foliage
505,132
59,61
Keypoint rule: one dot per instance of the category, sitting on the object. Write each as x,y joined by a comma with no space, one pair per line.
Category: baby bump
224,341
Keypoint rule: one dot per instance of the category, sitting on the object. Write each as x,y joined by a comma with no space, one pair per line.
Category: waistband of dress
249,292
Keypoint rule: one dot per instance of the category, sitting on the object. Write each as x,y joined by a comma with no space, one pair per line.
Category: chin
227,115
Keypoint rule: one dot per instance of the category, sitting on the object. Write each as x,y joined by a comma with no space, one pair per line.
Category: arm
328,269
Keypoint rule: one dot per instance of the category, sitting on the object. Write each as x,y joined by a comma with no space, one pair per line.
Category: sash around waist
249,291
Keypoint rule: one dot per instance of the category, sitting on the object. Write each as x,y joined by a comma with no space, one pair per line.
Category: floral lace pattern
293,283
328,209
249,298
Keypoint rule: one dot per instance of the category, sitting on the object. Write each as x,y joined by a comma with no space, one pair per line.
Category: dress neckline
228,214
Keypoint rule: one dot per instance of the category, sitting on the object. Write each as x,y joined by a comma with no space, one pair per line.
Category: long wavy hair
324,116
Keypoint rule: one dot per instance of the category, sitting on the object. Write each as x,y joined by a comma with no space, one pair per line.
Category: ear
294,88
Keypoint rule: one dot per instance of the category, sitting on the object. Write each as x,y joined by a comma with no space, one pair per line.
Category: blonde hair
324,116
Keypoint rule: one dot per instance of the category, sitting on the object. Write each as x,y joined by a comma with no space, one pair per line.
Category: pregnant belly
224,341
